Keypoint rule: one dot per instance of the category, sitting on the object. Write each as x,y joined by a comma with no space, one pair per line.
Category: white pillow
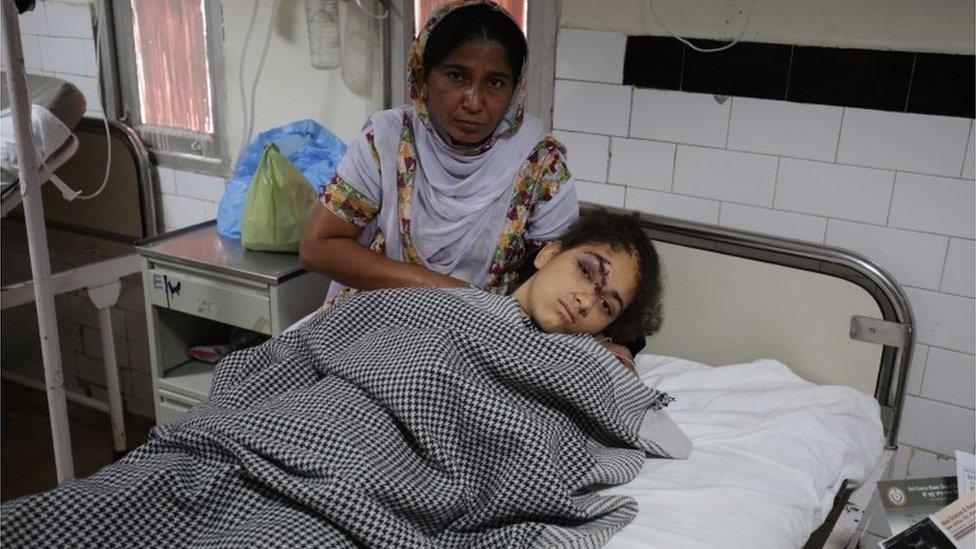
770,453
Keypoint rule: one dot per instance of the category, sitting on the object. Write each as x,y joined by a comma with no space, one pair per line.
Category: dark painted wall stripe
941,82
901,81
868,79
746,69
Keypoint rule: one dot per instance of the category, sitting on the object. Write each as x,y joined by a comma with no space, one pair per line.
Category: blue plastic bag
312,148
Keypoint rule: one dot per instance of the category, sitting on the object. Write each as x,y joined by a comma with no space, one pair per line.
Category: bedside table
199,286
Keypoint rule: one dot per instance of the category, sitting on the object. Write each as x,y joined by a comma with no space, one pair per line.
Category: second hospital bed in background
70,144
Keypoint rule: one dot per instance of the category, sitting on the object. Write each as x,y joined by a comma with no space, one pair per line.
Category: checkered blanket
397,418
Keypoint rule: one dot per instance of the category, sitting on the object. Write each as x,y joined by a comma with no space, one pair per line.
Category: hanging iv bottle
360,34
324,44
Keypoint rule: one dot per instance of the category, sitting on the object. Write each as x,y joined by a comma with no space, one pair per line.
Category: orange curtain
171,62
423,9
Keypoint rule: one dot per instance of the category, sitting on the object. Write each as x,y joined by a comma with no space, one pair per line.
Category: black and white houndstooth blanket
398,418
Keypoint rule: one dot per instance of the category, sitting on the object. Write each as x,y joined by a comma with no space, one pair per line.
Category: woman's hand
329,246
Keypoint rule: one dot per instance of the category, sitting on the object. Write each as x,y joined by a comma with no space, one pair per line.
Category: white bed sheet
49,135
770,452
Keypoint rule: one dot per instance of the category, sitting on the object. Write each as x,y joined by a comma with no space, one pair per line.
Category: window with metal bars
167,78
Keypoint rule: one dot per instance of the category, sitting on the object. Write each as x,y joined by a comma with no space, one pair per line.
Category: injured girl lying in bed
404,418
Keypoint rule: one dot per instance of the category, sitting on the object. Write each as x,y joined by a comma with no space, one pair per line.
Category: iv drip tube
248,113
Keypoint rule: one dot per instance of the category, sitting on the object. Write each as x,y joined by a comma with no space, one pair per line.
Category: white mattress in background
770,452
50,134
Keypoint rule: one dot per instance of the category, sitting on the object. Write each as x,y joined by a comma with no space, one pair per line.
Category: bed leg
853,522
104,297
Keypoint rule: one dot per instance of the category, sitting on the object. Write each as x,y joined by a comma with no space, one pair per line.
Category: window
167,79
176,96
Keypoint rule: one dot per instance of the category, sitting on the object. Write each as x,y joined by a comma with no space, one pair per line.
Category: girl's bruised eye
590,264
595,269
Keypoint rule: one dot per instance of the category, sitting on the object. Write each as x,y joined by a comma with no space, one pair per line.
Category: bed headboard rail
126,208
831,315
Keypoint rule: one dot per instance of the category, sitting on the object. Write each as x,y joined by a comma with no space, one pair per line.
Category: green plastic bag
277,205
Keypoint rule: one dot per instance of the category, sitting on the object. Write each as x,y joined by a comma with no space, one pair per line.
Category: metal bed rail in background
896,332
145,171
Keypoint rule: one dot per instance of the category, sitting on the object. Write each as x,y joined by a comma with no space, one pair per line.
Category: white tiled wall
933,204
641,163
718,174
578,98
672,205
896,187
578,55
704,120
778,222
830,190
917,369
784,129
957,277
967,167
943,320
58,40
592,153
904,141
914,259
187,198
608,195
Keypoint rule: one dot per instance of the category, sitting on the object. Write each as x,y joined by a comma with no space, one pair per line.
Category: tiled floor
25,438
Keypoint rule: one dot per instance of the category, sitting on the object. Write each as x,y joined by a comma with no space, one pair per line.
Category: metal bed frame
895,332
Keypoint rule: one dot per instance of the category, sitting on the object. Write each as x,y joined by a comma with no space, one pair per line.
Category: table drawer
171,407
217,300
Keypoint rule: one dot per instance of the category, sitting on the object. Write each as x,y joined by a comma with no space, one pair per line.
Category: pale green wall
943,26
290,88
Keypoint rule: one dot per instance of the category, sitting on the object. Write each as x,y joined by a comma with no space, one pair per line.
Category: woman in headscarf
455,188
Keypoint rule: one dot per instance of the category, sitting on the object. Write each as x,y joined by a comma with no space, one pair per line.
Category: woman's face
469,91
579,290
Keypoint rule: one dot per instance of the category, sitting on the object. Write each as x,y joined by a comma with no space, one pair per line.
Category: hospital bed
793,364
788,362
66,104
760,430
